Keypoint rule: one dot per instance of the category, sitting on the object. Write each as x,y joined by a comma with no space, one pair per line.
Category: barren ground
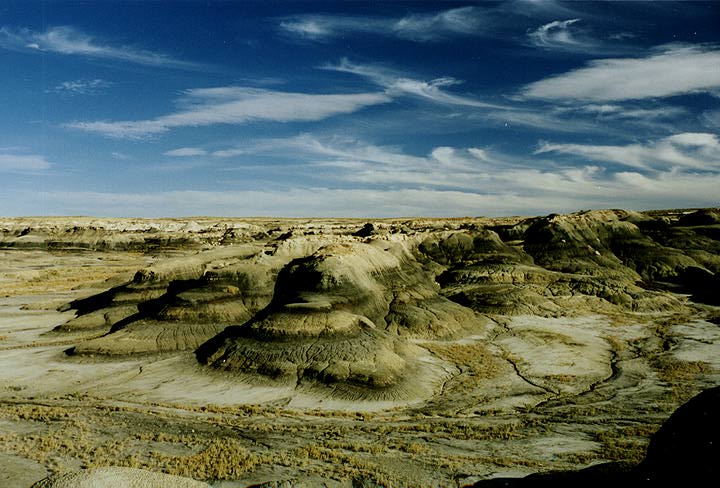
524,393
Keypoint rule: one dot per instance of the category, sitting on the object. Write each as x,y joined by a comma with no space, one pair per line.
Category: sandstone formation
342,304
342,315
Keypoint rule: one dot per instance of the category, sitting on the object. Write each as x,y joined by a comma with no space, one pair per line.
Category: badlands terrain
336,352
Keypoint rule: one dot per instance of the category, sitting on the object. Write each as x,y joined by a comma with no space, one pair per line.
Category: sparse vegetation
475,360
220,459
674,371
625,443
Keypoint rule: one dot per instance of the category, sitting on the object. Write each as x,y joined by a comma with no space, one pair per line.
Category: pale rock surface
117,477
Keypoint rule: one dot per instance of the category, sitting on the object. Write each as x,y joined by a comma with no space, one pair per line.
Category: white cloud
314,27
586,118
676,70
338,150
699,151
703,140
611,111
558,34
357,162
229,153
236,105
23,163
183,152
572,36
81,86
434,27
426,27
397,84
69,41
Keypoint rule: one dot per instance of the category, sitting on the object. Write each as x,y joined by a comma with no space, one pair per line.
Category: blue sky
362,109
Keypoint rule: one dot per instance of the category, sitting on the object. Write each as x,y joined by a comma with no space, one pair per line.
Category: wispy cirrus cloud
419,27
690,158
558,34
185,152
575,36
434,27
235,105
81,86
69,41
438,26
689,150
613,111
396,84
23,163
340,151
673,70
471,169
569,118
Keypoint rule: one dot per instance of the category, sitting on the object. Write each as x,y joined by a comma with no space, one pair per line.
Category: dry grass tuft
476,361
671,370
626,443
616,344
220,459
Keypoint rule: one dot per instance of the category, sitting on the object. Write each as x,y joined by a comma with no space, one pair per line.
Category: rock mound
179,304
619,250
560,263
341,316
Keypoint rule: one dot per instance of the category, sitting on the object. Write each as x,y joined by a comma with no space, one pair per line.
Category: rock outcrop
341,304
342,316
117,477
